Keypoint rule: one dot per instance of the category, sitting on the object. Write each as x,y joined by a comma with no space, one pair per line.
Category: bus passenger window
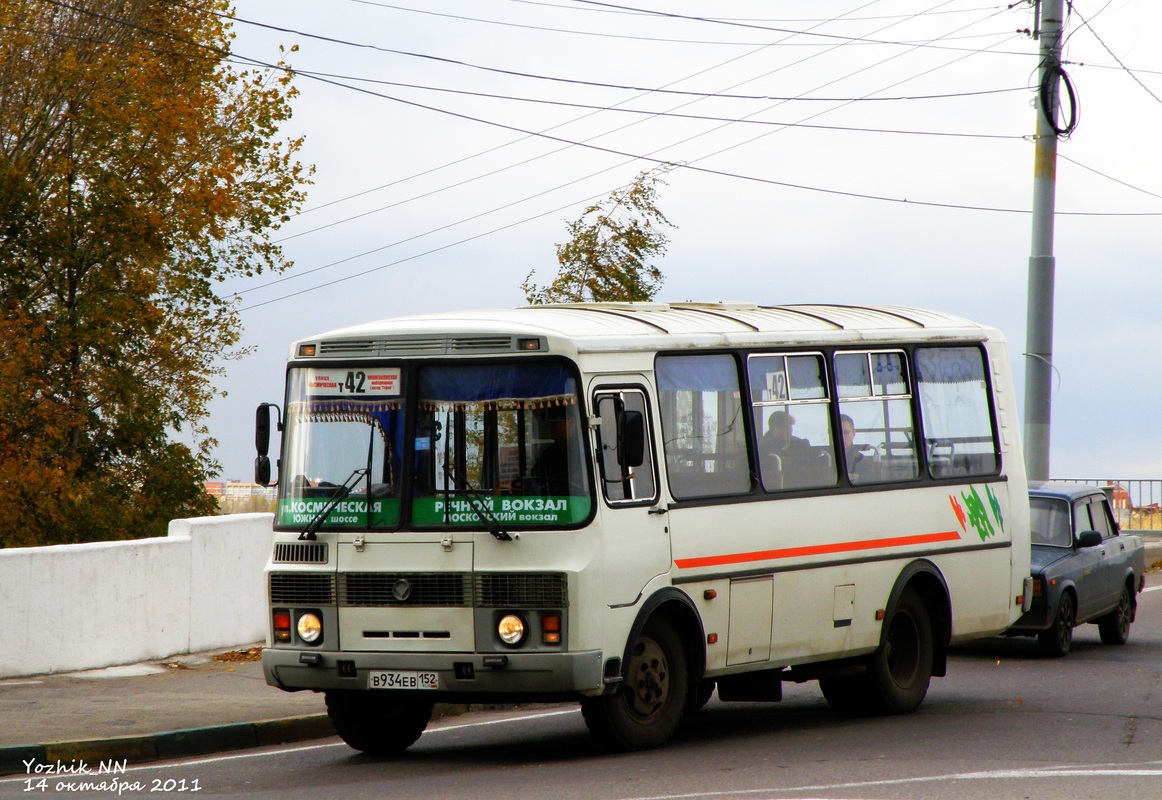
954,408
874,394
702,425
791,419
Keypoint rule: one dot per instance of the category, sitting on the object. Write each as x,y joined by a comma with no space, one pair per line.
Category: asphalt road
1006,723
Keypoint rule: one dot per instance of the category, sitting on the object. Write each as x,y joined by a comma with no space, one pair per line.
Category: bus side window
954,410
791,420
875,395
624,451
702,425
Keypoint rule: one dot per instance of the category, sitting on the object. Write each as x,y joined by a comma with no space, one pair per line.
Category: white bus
632,505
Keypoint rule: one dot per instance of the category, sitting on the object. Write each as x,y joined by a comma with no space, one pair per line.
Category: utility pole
1039,319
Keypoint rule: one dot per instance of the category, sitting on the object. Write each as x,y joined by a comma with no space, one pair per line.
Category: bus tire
379,724
701,696
901,667
646,709
850,695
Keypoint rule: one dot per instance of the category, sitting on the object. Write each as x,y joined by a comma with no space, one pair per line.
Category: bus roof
608,327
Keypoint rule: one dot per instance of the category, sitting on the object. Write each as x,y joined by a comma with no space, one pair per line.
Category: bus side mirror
262,470
631,436
262,441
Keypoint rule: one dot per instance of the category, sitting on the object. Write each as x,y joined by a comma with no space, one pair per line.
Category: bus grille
302,588
300,553
522,590
433,590
401,589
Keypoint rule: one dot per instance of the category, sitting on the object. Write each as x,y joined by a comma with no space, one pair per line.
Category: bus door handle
658,510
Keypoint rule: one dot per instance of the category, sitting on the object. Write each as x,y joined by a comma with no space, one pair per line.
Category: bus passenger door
635,537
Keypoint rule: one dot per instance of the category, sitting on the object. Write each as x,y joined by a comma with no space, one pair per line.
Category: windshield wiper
473,496
336,498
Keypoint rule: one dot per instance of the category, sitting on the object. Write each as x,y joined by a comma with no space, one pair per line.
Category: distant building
1119,497
239,490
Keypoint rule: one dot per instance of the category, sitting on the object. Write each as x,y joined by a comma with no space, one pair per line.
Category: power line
1113,55
631,158
726,123
597,84
1109,177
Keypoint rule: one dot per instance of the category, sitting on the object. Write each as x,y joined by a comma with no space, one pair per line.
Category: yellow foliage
137,168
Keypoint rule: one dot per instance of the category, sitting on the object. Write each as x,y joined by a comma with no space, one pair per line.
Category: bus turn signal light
282,626
551,629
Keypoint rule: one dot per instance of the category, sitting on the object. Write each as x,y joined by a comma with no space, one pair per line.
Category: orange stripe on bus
816,550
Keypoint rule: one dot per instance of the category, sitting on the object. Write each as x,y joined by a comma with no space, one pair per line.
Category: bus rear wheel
901,669
646,710
379,724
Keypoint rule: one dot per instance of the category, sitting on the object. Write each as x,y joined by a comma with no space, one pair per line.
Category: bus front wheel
901,668
646,710
380,724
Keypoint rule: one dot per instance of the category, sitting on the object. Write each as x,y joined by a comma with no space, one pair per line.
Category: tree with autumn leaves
607,257
138,169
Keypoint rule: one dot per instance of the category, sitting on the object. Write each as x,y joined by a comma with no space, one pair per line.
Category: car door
1088,570
1112,548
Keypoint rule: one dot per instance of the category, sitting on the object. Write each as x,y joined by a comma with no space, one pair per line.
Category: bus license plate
393,679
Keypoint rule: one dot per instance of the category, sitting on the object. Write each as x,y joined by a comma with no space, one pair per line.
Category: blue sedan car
1084,569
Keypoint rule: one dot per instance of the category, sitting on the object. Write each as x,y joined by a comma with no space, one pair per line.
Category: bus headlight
310,628
511,630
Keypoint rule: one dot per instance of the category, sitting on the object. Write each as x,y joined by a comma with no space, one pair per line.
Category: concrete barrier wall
85,606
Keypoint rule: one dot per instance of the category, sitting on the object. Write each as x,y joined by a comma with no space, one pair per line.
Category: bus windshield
339,420
505,437
490,445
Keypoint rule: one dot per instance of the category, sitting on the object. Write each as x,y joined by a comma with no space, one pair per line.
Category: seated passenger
861,468
795,455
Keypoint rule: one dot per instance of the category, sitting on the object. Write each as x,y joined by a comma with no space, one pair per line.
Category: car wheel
1114,627
648,706
1058,639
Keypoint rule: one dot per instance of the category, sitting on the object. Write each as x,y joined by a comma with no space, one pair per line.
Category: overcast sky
841,152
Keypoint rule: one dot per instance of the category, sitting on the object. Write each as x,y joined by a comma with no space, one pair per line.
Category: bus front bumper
460,674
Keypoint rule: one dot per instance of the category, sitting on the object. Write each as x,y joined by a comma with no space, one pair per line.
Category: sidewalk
182,706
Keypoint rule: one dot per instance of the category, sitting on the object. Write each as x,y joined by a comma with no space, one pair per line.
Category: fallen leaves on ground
252,654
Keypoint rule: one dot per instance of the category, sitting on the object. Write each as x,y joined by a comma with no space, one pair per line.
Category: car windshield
1049,520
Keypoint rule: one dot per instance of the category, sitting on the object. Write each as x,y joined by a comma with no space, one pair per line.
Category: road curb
121,750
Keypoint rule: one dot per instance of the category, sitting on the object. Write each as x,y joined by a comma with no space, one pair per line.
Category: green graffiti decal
995,504
978,516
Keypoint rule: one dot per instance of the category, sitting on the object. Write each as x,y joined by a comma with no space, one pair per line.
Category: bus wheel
851,695
380,724
901,668
645,712
702,695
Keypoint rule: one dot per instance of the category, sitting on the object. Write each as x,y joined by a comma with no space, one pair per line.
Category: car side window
1100,518
1081,522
